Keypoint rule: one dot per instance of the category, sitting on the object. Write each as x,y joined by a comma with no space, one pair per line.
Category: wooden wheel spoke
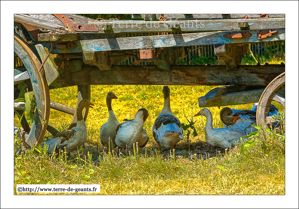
62,108
24,76
270,120
278,98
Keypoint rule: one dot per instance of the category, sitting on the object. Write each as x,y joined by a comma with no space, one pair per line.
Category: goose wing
66,135
123,125
229,134
166,119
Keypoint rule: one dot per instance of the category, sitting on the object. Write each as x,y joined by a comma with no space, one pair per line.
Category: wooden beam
221,97
162,41
231,54
59,37
131,26
217,16
179,75
37,22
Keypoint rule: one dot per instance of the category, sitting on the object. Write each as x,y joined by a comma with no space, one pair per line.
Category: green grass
259,170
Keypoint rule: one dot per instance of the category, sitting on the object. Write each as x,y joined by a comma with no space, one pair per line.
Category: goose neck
108,102
166,108
80,113
209,123
111,116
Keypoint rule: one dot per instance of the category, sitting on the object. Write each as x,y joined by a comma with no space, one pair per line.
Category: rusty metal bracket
85,27
162,18
244,34
32,30
65,20
265,34
264,16
245,17
147,54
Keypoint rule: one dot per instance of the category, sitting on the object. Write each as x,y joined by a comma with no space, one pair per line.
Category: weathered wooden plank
131,26
79,18
38,22
24,76
218,97
47,17
51,70
179,75
215,16
161,41
60,37
239,16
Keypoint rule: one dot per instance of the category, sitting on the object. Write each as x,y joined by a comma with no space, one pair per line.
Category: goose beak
197,114
91,105
236,118
113,96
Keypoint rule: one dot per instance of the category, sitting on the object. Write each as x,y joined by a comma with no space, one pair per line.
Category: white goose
71,138
132,131
167,128
222,137
108,130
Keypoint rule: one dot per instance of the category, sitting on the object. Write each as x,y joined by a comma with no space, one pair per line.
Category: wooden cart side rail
178,75
131,26
204,16
160,41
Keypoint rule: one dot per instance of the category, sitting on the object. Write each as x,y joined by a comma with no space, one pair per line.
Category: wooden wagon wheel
40,89
267,96
83,93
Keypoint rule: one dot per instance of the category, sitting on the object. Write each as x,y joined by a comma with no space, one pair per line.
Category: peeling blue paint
140,42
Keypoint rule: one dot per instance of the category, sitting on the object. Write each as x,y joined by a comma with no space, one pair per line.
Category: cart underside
66,50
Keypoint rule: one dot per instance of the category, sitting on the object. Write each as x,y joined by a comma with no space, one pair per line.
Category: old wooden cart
53,51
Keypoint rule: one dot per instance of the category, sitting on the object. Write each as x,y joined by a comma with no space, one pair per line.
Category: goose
72,138
167,128
131,131
230,117
108,130
222,137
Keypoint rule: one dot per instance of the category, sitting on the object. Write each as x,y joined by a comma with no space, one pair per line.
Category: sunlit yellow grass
250,173
131,98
